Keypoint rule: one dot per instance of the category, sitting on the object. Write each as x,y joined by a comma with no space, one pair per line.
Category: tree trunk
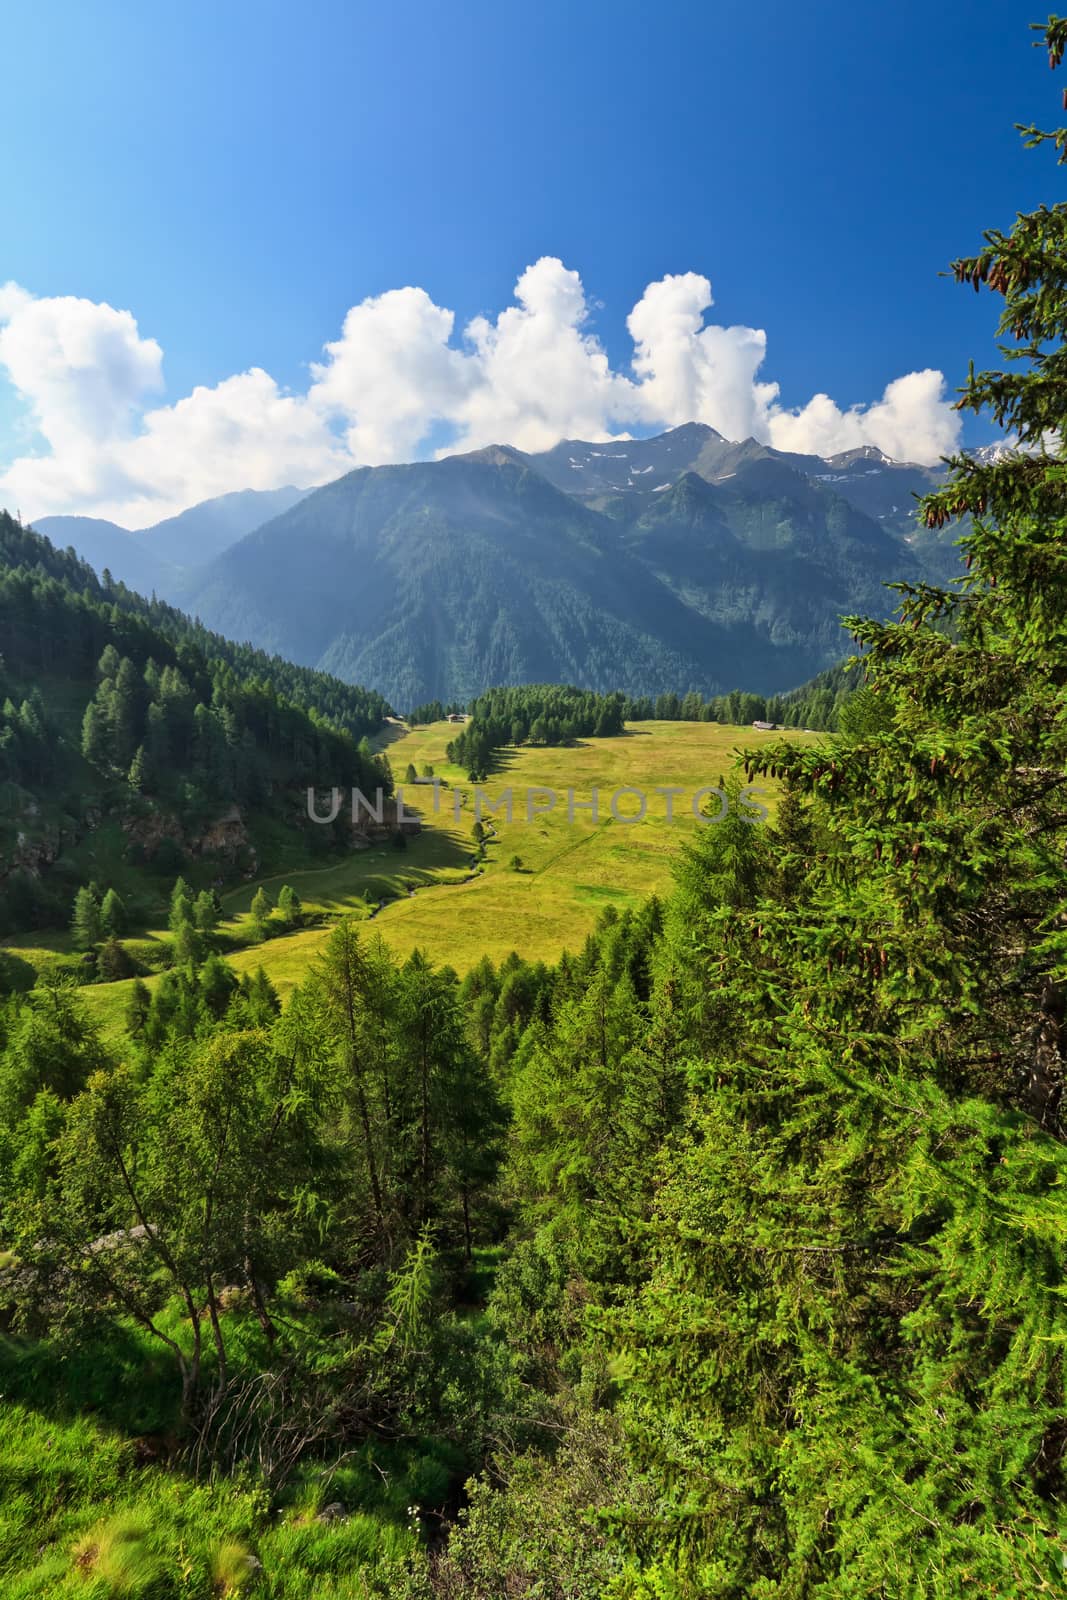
262,1314
216,1331
1045,1086
368,1140
424,1133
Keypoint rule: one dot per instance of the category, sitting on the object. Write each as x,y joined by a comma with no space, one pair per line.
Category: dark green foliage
137,1008
142,777
113,915
86,923
217,985
114,962
432,711
207,910
55,616
549,714
815,705
151,713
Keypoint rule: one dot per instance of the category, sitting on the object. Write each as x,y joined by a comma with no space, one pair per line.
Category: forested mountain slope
436,580
118,714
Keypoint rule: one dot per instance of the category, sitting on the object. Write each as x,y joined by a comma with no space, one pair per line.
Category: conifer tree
181,905
140,776
206,911
109,663
95,742
113,962
125,713
261,908
85,924
187,944
113,915
157,743
341,1011
137,1008
217,984
847,1367
289,905
264,999
182,891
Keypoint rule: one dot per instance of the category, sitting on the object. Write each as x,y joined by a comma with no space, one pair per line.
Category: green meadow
437,895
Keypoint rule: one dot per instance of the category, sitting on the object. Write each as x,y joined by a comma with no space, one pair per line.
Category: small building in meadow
765,727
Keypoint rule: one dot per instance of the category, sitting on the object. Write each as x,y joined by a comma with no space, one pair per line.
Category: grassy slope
79,1517
571,870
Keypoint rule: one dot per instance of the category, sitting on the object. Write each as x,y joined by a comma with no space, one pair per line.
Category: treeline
815,705
433,711
544,714
554,715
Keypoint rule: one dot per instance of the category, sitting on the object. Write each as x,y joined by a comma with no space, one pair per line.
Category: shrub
114,962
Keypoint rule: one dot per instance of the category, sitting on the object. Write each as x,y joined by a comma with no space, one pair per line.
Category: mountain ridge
154,557
433,579
684,560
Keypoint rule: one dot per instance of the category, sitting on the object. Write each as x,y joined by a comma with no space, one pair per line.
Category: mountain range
683,561
155,558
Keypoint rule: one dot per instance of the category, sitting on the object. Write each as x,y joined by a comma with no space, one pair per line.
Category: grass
436,896
79,1519
96,1502
571,869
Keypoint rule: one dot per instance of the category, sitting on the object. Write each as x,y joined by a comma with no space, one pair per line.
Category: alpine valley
679,562
533,987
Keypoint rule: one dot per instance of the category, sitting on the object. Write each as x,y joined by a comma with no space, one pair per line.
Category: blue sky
237,176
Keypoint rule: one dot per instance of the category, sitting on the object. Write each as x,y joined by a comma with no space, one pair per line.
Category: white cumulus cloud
537,375
397,375
391,376
912,422
83,367
692,372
